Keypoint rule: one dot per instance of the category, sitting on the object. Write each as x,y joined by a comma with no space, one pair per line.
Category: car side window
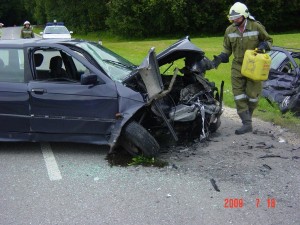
277,59
11,65
80,68
56,66
42,61
282,63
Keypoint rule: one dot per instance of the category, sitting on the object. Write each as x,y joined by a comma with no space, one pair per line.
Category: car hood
149,68
181,49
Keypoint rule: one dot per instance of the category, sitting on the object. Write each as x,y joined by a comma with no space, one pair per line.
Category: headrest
38,59
55,62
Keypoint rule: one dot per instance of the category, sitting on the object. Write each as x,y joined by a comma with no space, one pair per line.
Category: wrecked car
283,84
80,91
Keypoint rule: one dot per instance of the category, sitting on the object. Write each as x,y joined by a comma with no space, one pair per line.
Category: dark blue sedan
80,91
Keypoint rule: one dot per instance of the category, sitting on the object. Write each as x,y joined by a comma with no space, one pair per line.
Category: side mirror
41,32
71,32
87,79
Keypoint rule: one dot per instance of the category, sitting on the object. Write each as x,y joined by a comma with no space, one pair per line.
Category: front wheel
137,140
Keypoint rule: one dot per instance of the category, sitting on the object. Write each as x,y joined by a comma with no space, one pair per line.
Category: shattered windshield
116,67
56,30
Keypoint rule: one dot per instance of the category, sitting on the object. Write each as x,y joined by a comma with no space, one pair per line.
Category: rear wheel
138,141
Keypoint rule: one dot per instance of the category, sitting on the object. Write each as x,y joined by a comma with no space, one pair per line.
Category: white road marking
52,167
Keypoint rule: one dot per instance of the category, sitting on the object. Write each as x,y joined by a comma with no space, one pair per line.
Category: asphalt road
11,32
74,184
224,181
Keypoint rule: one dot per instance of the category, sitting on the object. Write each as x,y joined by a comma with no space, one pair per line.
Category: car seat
55,67
38,60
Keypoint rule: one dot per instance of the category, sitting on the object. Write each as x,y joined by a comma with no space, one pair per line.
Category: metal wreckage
282,88
188,106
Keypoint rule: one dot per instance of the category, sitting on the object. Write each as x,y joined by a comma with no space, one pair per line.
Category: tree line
149,18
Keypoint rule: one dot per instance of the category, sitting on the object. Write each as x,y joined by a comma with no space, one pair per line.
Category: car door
14,98
65,106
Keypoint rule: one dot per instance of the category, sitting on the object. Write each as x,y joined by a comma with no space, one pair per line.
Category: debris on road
272,156
266,166
213,182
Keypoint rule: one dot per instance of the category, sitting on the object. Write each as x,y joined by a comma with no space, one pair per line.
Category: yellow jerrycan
256,66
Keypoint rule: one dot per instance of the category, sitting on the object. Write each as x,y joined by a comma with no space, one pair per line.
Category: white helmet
26,22
238,10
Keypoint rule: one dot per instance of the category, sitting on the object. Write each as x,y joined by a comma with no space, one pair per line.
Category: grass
136,50
146,161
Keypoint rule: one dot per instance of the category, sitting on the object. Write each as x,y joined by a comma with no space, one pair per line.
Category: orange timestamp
239,203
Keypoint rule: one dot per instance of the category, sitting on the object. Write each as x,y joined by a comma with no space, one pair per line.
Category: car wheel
138,141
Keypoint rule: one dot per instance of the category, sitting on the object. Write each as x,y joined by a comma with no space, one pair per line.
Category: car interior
55,65
56,69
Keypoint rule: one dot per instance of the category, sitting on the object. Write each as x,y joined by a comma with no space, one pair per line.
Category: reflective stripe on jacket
27,33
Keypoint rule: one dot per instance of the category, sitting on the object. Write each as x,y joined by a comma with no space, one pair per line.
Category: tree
149,18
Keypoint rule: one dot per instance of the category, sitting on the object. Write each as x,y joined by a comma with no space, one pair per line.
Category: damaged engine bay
186,106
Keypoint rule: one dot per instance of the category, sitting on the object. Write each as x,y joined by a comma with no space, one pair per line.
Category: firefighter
27,31
1,25
244,33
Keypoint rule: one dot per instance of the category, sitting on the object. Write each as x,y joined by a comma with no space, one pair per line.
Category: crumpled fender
129,103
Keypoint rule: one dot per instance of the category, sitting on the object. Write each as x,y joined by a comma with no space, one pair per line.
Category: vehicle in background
56,30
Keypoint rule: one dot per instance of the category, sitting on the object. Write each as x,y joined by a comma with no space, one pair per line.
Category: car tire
137,140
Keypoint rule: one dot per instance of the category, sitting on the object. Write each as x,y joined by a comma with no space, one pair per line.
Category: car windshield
56,30
116,67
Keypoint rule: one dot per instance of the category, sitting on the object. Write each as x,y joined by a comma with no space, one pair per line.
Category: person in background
245,33
27,31
1,25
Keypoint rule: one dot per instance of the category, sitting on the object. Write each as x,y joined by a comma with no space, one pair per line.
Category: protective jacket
245,91
27,32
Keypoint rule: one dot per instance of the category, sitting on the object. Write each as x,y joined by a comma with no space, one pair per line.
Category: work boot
251,110
247,123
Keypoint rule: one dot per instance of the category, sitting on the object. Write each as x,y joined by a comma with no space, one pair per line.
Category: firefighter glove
263,46
218,59
208,64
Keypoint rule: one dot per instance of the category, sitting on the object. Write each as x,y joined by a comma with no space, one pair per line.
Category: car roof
55,26
285,49
35,42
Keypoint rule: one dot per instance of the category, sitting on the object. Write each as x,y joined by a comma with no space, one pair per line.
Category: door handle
39,91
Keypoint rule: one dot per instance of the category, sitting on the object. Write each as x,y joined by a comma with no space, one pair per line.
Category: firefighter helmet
238,10
26,22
